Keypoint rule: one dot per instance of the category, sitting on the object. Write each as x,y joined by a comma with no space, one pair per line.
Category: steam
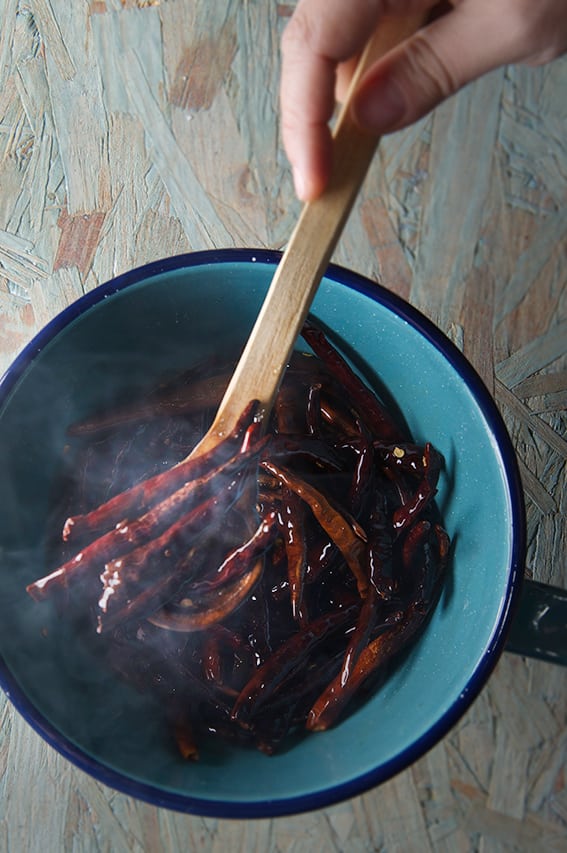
51,650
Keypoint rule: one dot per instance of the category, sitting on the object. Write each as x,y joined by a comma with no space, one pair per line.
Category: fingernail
380,109
299,184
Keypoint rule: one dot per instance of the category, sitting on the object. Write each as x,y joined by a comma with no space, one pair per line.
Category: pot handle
539,626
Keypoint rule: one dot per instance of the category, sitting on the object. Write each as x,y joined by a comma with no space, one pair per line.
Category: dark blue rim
334,794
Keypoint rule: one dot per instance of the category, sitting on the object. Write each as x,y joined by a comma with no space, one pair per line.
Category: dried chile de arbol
254,590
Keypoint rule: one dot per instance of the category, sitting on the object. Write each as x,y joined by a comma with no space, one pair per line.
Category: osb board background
132,130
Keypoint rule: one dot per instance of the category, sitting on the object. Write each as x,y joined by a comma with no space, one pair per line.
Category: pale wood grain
260,368
450,223
465,213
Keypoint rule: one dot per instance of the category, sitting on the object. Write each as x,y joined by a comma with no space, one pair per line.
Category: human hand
323,38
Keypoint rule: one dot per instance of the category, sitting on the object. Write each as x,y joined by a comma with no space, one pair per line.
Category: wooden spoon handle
261,366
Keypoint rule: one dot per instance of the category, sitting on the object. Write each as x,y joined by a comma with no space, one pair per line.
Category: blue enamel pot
178,312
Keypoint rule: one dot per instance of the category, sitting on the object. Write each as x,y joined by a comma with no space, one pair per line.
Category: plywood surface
133,130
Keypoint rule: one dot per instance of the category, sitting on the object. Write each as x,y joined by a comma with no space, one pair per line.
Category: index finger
320,35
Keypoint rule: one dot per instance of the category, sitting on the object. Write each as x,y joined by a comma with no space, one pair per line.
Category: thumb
434,63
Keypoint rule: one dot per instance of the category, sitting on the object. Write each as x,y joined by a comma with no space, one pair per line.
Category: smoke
46,473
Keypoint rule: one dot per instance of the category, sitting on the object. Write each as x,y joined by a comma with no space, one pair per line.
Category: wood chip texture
135,129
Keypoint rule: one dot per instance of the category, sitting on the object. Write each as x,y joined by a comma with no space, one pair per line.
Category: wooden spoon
263,362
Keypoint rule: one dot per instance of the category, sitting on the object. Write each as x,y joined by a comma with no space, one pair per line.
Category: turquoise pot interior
172,315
